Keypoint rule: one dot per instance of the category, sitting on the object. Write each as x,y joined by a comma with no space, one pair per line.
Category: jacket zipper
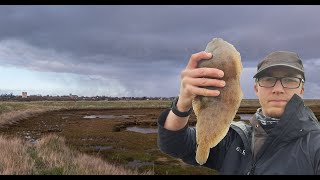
252,170
253,167
254,162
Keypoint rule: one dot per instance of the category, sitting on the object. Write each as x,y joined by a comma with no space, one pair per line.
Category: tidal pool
142,129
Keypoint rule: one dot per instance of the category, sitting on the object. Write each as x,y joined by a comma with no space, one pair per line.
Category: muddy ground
108,138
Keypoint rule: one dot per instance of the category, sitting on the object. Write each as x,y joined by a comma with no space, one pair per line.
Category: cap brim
274,65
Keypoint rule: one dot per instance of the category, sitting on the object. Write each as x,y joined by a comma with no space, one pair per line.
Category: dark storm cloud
147,46
162,32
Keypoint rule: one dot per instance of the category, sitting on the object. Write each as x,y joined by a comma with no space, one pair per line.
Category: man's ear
302,90
256,89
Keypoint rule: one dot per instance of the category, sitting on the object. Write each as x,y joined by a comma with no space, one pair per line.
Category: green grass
14,106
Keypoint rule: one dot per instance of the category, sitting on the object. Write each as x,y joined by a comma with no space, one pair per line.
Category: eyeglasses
286,82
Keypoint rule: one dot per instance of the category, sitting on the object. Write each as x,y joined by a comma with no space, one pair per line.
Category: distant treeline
11,97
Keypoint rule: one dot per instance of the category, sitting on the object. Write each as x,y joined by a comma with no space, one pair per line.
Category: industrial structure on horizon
24,94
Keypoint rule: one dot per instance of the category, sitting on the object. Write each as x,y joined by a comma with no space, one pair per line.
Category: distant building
24,95
73,96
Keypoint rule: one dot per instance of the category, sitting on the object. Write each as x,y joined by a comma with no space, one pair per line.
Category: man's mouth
277,102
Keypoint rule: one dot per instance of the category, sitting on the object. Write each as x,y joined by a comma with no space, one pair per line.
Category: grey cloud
312,86
148,46
159,31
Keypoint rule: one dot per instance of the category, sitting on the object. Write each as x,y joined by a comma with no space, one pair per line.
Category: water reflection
102,147
245,116
110,116
138,163
142,130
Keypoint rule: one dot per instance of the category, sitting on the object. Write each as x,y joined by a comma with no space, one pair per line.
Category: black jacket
293,146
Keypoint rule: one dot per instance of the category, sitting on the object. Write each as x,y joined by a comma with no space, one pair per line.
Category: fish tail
202,153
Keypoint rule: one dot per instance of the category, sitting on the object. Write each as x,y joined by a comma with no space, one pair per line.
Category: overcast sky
117,50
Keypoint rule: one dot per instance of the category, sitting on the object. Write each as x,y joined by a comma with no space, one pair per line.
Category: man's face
274,99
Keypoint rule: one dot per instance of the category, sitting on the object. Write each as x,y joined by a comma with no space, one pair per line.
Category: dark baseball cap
280,58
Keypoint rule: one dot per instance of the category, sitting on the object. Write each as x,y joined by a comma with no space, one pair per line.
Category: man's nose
278,87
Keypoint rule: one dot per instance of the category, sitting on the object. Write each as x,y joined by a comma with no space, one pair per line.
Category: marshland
93,137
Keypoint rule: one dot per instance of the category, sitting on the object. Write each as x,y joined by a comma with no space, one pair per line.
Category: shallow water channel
110,116
144,130
245,116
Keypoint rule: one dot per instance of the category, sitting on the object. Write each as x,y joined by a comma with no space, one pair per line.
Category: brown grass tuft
14,157
13,117
50,156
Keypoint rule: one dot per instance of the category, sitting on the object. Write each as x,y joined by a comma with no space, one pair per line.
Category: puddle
110,116
99,148
33,141
138,163
87,139
245,116
142,130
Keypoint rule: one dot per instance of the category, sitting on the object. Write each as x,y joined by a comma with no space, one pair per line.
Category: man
283,136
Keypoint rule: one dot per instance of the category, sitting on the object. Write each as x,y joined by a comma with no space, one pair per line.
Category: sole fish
215,114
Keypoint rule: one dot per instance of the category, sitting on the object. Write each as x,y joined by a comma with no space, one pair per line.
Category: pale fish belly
215,114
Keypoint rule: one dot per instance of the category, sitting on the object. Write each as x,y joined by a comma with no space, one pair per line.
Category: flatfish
215,114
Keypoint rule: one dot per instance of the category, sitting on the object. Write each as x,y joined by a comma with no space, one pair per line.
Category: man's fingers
203,72
204,82
205,91
195,79
195,58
